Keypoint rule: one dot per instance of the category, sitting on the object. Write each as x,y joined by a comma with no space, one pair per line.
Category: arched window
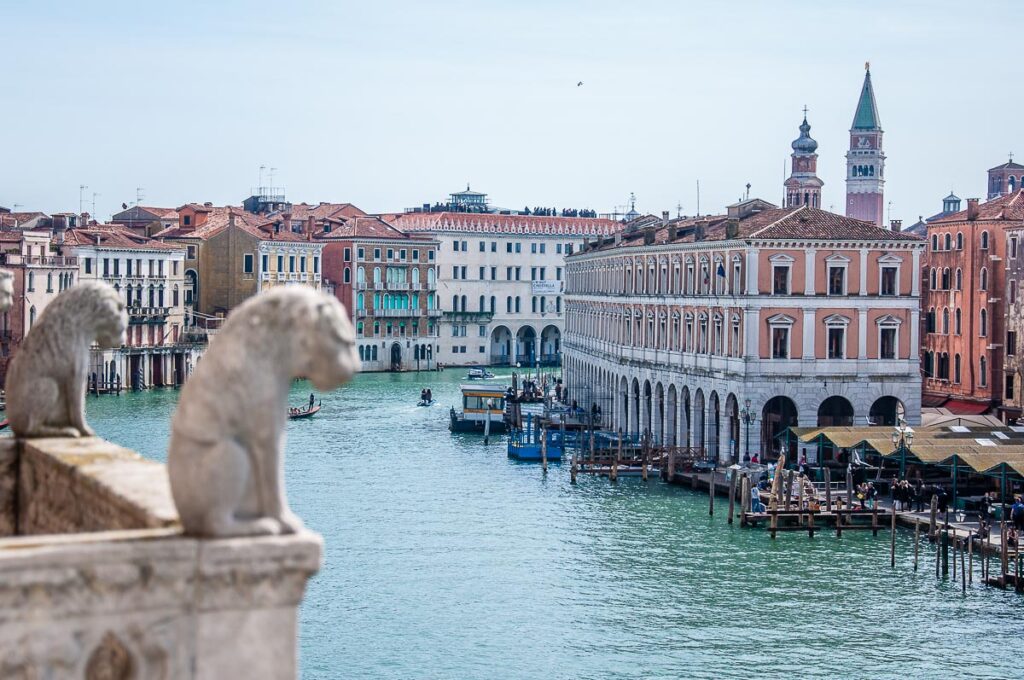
945,320
431,277
935,242
492,305
983,371
956,368
983,284
347,275
959,279
174,296
462,303
929,364
959,240
360,275
1011,184
49,282
376,274
984,240
945,279
508,305
956,321
482,302
983,323
932,279
31,316
517,304
31,281
949,242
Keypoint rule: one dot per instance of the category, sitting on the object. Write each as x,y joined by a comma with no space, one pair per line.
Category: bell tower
803,186
865,161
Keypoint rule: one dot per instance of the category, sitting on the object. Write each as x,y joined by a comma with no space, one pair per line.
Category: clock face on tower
863,142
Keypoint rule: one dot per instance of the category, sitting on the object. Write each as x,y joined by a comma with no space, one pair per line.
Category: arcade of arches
691,415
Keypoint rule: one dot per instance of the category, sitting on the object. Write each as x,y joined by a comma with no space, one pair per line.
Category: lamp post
902,438
747,416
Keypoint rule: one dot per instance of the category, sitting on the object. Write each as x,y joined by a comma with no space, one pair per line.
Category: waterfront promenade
445,560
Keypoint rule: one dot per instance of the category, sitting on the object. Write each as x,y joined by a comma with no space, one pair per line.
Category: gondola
304,413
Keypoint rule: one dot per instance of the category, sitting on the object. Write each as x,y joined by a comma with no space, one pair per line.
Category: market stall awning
933,400
967,408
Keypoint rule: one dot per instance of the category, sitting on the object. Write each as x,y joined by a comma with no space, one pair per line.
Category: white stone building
500,280
719,333
151,277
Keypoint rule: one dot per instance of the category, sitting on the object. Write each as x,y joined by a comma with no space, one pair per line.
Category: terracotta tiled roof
9,219
773,223
161,213
519,224
367,227
113,236
1006,207
337,211
216,221
1008,166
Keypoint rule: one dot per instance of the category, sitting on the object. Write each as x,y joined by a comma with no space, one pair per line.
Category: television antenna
139,195
81,198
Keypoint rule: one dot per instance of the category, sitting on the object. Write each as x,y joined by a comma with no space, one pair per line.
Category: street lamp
902,438
747,416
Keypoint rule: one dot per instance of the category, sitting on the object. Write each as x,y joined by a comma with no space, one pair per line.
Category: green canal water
446,560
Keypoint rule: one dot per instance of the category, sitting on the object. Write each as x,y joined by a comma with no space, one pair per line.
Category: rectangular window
415,255
1013,246
568,249
533,273
263,263
280,263
519,247
542,248
836,343
455,272
402,253
455,246
558,273
360,254
558,248
1008,392
888,281
887,345
302,264
494,273
1011,343
837,280
247,263
533,247
780,342
481,349
508,247
483,246
780,280
543,271
291,263
430,255
376,253
88,265
508,273
482,331
348,254
518,272
462,273
483,270
190,252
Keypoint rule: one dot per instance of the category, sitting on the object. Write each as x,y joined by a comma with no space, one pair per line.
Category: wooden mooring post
938,556
892,539
732,494
963,570
744,499
917,541
849,487
671,467
932,518
613,472
1003,556
574,468
644,452
944,549
828,490
711,493
874,517
544,451
970,558
954,543
789,489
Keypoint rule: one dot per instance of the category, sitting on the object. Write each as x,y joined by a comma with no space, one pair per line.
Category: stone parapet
69,485
123,594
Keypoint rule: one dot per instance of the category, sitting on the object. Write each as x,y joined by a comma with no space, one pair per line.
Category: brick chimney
896,225
972,209
310,224
664,217
648,235
287,217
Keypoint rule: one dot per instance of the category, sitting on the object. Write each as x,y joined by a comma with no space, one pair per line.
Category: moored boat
483,408
479,374
297,413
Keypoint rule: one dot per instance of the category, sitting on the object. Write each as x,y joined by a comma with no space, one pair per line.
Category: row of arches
941,242
709,419
508,348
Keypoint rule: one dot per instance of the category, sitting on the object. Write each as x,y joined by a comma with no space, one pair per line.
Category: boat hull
475,427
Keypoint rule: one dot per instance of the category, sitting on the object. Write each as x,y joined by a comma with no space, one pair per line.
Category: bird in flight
579,83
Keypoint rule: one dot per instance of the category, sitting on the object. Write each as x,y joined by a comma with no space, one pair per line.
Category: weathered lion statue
226,456
6,290
46,381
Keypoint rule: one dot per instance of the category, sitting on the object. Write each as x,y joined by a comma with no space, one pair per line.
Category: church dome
804,143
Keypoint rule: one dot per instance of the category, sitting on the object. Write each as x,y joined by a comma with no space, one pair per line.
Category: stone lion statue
226,456
46,381
6,290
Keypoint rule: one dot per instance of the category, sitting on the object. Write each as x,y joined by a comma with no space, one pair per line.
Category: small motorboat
308,412
479,374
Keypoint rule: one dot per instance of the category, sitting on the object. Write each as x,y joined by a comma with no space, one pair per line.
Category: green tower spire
866,117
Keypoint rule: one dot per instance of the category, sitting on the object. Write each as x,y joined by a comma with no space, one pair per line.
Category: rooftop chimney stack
310,224
896,225
287,217
664,217
972,209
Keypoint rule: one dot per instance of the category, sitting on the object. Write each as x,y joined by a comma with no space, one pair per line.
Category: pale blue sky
391,104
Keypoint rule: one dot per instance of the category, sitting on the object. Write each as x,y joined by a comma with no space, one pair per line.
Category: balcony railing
148,312
38,260
469,317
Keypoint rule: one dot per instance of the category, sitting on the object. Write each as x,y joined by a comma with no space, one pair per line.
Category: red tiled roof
773,223
337,211
161,213
1006,207
216,221
488,222
113,236
367,227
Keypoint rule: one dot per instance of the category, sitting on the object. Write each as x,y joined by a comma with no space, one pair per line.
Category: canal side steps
94,567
